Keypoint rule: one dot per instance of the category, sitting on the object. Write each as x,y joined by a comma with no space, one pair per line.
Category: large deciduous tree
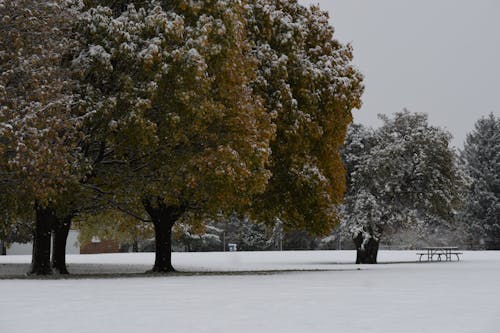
403,174
40,118
481,156
173,82
309,87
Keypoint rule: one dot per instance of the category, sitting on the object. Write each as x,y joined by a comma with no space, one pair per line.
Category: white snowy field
319,291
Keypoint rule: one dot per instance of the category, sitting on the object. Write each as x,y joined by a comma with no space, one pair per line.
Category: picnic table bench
438,253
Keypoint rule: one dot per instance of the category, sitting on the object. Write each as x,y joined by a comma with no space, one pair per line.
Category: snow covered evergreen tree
186,238
481,157
401,175
248,235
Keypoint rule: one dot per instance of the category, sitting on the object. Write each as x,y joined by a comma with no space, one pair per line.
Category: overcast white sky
441,57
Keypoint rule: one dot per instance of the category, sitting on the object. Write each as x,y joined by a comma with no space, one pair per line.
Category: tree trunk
60,232
40,262
135,246
366,250
163,246
3,249
164,218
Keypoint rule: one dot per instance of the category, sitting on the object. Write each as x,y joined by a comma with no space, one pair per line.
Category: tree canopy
403,174
39,123
481,157
174,111
309,87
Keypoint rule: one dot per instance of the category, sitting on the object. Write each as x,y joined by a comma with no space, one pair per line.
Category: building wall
72,245
104,246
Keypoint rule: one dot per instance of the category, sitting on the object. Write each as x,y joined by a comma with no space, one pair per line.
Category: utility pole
224,241
281,236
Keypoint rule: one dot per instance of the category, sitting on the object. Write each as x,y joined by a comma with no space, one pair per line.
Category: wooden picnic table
439,252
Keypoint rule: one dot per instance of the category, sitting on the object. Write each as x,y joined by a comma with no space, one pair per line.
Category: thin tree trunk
3,248
164,218
60,231
366,250
135,246
40,262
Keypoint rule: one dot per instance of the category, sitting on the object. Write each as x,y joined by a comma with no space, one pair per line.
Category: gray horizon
437,57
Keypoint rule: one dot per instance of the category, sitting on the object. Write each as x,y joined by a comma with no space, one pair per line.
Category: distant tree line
407,188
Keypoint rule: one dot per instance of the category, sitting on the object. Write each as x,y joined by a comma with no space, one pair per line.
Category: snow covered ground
319,291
